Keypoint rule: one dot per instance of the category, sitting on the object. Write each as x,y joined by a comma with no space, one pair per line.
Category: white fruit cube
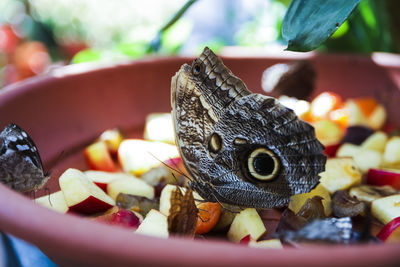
138,156
347,150
54,201
82,195
247,222
102,179
159,127
132,186
155,224
366,159
392,152
376,141
271,243
387,208
340,174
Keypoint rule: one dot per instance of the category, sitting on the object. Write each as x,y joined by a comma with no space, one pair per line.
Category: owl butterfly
240,148
20,164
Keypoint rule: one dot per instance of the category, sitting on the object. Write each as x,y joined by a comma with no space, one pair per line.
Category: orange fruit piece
208,216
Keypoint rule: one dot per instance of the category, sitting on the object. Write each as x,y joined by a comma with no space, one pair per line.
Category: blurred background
38,35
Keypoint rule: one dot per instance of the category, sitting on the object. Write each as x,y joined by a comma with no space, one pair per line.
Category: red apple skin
245,240
381,177
99,158
102,186
330,150
122,217
90,205
390,231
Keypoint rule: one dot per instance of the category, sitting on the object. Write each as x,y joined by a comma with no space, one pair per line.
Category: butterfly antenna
47,191
176,169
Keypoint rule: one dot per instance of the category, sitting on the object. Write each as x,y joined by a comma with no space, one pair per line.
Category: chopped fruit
366,111
340,174
327,132
54,201
364,158
367,158
130,185
300,107
369,193
138,156
340,116
297,201
376,141
387,208
159,127
102,179
390,232
155,224
121,217
82,195
245,240
247,222
357,134
165,197
99,158
347,150
391,157
384,177
323,104
330,150
208,216
112,138
377,118
225,220
271,243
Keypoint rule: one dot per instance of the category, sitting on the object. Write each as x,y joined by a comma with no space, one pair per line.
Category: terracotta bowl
66,109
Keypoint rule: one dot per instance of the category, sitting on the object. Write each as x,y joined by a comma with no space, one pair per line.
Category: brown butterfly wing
182,219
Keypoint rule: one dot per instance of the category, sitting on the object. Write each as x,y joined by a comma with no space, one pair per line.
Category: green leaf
308,23
86,55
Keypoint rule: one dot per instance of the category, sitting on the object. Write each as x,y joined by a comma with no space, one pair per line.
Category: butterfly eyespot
263,165
196,69
215,143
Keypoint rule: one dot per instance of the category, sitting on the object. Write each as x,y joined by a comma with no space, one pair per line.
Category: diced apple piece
387,208
297,201
376,141
391,156
347,150
99,158
367,158
340,174
121,217
356,115
364,158
112,138
155,224
138,156
54,201
165,197
327,132
384,177
247,222
369,193
377,118
390,232
102,179
82,195
271,243
323,104
132,186
159,127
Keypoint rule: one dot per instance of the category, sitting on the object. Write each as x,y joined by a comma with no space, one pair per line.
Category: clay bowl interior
68,108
